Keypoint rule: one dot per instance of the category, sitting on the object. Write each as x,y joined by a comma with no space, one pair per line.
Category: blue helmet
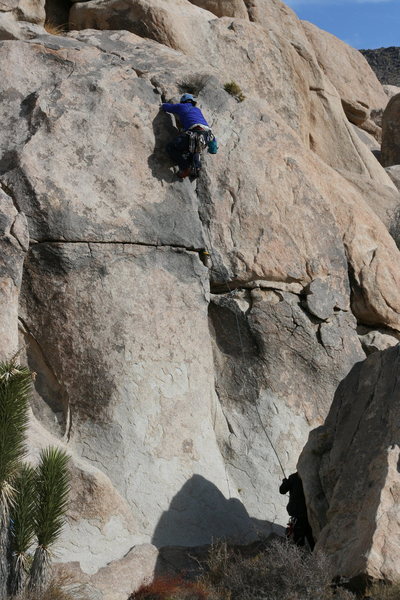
188,98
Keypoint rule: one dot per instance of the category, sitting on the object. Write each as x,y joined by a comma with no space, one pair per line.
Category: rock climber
297,509
185,149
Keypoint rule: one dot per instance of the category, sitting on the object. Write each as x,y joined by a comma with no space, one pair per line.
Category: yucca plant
52,485
22,527
15,382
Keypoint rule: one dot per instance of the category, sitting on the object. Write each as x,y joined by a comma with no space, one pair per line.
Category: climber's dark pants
302,532
178,150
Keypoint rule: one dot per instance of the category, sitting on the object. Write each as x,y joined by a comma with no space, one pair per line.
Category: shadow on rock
159,161
198,515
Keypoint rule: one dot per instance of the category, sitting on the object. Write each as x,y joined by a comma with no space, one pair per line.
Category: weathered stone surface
391,133
268,62
356,112
144,408
384,201
374,340
273,360
391,90
25,10
8,27
320,299
394,174
170,22
224,8
103,194
350,472
11,29
346,68
369,140
13,246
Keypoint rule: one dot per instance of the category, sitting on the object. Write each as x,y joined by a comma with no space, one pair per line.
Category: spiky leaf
52,489
15,383
23,511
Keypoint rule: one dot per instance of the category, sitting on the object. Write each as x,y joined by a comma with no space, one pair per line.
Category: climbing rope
231,290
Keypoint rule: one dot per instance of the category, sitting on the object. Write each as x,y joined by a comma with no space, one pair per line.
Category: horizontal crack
228,285
119,243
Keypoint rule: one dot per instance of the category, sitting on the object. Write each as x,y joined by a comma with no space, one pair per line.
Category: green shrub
234,90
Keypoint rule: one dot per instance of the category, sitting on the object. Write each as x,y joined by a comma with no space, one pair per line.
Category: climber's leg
178,151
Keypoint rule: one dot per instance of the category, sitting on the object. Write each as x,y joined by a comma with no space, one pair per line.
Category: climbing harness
199,139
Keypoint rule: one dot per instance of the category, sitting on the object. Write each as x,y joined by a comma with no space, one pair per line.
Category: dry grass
53,29
383,591
234,90
60,587
193,84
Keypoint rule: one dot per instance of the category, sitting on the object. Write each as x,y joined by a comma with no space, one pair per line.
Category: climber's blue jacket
188,114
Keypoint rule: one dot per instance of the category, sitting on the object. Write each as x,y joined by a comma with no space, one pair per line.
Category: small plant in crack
234,90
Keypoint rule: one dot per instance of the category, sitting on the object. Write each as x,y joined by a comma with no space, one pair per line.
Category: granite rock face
182,392
32,11
350,471
347,69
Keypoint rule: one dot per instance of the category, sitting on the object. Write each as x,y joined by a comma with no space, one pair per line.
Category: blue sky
360,23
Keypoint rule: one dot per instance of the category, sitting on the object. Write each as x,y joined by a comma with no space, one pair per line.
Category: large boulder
175,23
394,174
391,90
224,8
348,71
25,10
391,133
350,472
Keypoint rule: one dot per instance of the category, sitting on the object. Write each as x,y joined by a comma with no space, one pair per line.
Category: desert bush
59,587
281,572
384,591
234,90
193,84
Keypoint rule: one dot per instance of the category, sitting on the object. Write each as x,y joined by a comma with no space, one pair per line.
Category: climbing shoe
183,173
